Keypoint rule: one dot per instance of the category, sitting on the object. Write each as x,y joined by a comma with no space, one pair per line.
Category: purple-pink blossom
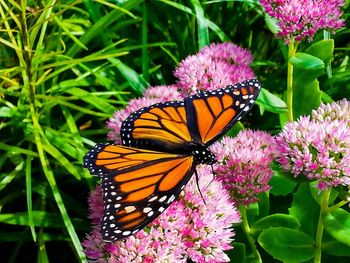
339,110
215,66
229,53
244,164
300,19
163,93
318,150
187,230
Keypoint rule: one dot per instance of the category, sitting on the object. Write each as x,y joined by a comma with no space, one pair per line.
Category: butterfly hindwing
137,185
212,113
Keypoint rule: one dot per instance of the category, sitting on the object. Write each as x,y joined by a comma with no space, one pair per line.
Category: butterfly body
161,147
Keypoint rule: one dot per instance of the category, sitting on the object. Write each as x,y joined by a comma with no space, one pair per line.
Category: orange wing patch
167,123
216,111
218,114
118,157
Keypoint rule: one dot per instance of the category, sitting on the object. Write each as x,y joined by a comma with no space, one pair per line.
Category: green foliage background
66,66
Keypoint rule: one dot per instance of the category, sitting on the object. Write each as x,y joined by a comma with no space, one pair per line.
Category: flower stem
338,205
291,52
246,230
320,226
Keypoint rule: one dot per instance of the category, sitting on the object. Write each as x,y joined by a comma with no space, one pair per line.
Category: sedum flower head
187,230
339,110
300,19
319,150
214,67
244,164
163,93
229,53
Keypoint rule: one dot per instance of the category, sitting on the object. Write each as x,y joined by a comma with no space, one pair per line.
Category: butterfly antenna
197,182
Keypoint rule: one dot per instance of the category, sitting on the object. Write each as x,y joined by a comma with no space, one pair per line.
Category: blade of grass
17,150
68,32
41,24
29,195
89,98
136,82
52,182
206,22
78,139
73,106
50,149
144,36
23,236
41,219
42,253
202,26
9,177
127,12
101,26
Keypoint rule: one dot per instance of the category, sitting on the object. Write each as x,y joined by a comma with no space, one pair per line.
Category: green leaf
282,182
274,220
238,253
271,24
306,98
322,49
271,102
306,68
334,247
264,204
305,209
7,112
235,129
317,195
287,245
306,62
337,224
281,185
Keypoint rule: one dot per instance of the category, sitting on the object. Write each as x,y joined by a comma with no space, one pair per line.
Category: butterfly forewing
163,123
137,185
212,113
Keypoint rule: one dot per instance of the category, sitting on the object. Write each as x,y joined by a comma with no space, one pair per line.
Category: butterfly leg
213,174
197,182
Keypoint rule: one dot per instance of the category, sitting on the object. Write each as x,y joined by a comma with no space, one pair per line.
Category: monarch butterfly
161,147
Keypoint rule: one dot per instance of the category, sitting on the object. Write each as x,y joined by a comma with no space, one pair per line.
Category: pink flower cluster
215,66
339,110
187,230
318,148
300,19
244,164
